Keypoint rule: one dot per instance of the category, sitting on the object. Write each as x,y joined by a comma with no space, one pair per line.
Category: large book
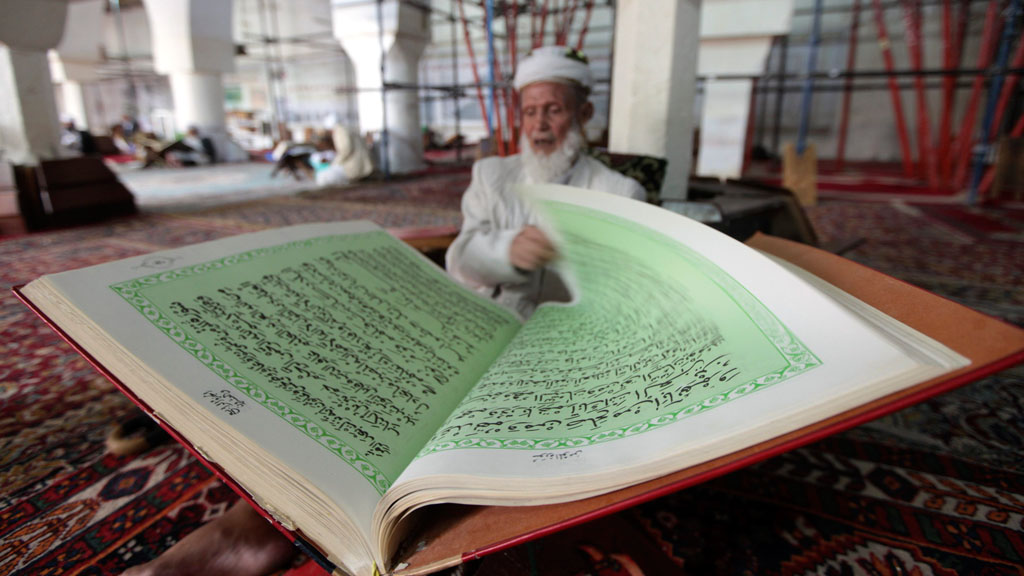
388,419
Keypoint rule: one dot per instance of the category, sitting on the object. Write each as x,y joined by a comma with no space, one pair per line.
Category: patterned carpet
934,489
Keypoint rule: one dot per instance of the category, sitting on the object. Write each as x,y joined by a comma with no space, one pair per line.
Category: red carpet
934,489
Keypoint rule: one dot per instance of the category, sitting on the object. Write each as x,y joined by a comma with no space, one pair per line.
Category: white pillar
75,60
366,58
74,103
198,101
724,128
736,36
399,36
405,134
29,125
653,84
193,45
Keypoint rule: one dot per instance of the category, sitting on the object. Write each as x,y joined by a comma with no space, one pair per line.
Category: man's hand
531,249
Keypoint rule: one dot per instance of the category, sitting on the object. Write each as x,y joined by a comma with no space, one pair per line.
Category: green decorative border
130,290
799,358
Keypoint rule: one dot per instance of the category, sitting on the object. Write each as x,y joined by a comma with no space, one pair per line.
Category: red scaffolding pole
851,60
472,61
962,149
565,24
948,86
925,154
954,52
538,40
532,25
1008,88
586,25
897,106
511,101
499,95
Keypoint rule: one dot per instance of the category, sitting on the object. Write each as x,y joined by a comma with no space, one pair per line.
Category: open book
350,389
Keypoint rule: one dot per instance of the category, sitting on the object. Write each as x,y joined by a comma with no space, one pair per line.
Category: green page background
658,333
367,360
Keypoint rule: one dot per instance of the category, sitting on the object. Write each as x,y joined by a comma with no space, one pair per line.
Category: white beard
550,168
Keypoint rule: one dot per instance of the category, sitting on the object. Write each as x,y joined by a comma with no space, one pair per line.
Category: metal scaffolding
945,155
494,24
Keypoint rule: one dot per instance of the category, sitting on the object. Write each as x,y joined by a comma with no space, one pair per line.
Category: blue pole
812,64
982,149
490,64
384,136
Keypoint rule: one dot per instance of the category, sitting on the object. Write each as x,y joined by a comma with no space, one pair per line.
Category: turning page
680,345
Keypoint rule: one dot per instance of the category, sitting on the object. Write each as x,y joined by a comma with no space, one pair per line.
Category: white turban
553,64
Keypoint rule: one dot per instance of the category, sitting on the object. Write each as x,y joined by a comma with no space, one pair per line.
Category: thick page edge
293,535
801,440
724,465
981,365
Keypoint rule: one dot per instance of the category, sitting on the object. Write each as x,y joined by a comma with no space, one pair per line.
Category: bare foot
239,543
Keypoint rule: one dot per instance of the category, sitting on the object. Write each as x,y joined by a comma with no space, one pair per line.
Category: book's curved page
311,362
681,345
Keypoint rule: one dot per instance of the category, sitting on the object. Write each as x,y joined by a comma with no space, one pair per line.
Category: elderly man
500,252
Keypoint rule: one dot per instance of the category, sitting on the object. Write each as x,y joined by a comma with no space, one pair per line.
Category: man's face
548,111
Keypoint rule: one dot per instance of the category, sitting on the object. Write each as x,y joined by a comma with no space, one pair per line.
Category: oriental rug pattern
934,489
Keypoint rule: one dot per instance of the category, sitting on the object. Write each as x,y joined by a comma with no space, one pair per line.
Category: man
500,252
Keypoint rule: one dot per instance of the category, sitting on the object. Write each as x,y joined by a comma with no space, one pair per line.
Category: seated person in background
75,140
117,135
324,146
351,160
69,136
499,252
191,150
129,126
296,158
282,145
194,140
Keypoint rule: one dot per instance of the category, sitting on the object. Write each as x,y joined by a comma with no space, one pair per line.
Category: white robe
492,217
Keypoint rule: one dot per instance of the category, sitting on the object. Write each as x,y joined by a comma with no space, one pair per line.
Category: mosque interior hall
885,138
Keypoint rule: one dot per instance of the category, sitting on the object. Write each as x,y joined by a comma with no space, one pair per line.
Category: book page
680,345
656,332
353,339
335,348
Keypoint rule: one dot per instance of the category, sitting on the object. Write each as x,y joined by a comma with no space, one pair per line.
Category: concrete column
198,101
395,33
29,124
73,62
736,36
74,103
724,128
193,45
653,84
405,133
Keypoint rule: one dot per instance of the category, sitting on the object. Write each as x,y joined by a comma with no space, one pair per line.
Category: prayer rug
937,488
991,223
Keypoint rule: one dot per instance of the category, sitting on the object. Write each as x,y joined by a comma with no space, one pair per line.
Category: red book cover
466,532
